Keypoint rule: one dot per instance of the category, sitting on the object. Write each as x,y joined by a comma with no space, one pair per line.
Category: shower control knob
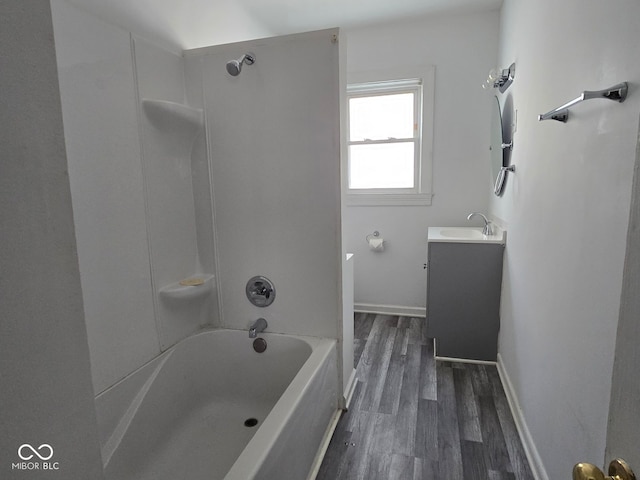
260,291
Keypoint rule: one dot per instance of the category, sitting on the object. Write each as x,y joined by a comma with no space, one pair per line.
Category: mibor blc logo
35,458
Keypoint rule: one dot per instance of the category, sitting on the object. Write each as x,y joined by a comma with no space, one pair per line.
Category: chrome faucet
486,230
258,326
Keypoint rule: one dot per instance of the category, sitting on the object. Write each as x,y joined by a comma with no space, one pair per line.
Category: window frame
420,82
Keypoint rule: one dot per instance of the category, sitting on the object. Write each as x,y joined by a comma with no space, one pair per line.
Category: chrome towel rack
617,92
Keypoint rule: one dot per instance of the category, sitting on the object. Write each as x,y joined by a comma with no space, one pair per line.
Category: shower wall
139,227
274,141
180,229
103,148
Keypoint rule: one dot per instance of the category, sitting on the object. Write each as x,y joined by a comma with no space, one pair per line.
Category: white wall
44,360
567,210
97,88
463,49
275,154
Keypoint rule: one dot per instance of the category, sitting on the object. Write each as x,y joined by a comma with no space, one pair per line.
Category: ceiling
186,24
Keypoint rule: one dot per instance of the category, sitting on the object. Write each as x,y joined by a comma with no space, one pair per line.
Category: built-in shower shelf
178,291
164,114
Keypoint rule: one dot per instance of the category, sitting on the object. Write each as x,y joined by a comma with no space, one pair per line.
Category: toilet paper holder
375,242
375,234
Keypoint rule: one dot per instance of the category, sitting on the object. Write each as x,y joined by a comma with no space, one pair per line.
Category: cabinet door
463,299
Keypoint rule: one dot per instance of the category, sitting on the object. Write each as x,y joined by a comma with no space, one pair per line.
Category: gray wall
45,389
566,210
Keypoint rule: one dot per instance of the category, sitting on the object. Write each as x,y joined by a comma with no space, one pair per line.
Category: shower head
235,66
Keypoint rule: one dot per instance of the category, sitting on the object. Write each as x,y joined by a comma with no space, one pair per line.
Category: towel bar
617,92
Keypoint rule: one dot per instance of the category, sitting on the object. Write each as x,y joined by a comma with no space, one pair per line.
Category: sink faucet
258,326
486,230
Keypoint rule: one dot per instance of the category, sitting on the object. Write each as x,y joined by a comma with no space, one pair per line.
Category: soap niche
178,199
189,289
173,117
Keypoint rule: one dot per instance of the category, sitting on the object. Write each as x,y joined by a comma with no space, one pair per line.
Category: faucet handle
260,291
266,291
487,230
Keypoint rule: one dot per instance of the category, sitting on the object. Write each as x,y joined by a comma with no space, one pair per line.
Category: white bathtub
182,416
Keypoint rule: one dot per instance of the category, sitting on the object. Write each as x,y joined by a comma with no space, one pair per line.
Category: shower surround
180,170
274,145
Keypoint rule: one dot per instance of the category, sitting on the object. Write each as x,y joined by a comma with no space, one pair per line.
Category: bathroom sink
461,233
465,235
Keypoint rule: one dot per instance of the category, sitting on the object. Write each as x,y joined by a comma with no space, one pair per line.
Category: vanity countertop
466,235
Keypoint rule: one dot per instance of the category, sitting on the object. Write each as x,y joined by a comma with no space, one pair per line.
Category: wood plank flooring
412,418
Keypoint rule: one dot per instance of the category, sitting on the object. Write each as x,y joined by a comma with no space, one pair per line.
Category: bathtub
211,408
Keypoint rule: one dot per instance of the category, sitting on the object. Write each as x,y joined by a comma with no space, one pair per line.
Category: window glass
381,117
385,165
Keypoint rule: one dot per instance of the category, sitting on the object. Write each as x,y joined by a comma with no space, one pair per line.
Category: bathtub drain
250,422
259,344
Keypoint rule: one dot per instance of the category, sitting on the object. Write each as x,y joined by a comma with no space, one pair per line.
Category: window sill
388,199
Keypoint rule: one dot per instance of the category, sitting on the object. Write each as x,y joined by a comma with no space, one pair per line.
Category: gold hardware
618,470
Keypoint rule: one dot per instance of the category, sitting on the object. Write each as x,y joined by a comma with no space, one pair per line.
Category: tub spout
258,326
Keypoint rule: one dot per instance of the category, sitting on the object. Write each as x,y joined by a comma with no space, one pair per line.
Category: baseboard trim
390,310
351,387
458,360
535,462
464,360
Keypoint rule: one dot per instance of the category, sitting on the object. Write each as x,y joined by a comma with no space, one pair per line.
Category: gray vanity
463,292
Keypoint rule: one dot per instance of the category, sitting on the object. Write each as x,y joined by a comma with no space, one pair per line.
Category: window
385,144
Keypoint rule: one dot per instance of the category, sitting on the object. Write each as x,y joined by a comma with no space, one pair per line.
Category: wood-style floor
415,418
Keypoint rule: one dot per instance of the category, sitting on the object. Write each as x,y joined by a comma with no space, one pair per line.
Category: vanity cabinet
463,298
